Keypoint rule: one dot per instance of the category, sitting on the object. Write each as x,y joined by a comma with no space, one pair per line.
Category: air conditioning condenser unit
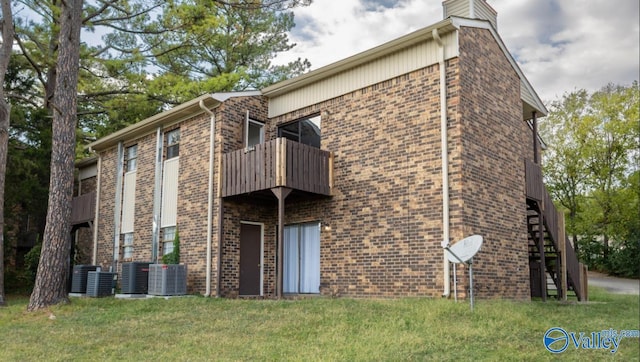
135,278
167,279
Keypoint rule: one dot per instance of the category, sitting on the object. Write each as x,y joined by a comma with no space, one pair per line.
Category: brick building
332,182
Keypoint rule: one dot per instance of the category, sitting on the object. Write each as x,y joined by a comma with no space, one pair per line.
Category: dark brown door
250,236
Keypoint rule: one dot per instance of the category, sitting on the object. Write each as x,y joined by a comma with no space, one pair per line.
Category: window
132,158
305,131
254,134
173,143
128,245
168,235
302,258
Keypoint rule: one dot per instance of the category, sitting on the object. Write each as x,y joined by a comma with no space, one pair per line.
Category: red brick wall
382,228
106,204
192,189
385,215
494,143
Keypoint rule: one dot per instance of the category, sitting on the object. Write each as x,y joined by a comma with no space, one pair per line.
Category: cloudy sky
561,45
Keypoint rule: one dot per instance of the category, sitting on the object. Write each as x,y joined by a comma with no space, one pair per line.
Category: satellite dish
462,252
464,249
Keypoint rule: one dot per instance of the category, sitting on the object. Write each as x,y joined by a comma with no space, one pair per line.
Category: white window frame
132,158
173,141
167,244
248,122
128,245
260,125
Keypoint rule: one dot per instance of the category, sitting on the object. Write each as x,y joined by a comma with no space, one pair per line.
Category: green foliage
193,59
174,256
590,168
624,261
154,54
31,261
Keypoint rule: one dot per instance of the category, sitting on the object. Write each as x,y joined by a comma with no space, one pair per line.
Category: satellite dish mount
463,252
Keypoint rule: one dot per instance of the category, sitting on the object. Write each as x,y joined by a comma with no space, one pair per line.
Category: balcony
534,184
83,208
277,163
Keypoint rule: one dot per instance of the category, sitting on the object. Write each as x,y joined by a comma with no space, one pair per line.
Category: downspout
445,161
157,194
94,257
212,138
117,210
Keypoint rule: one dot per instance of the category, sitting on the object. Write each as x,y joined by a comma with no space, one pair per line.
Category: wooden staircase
554,266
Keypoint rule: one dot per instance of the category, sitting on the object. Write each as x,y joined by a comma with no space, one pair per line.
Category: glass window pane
132,156
168,234
128,239
173,151
301,272
128,245
167,248
290,270
310,132
310,259
173,143
255,134
173,137
305,131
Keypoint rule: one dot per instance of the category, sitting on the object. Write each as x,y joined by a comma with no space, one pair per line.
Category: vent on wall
79,277
472,9
167,279
135,277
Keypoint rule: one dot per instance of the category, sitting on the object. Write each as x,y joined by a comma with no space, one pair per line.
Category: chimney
472,9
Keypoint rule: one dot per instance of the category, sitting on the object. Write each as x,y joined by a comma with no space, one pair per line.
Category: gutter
445,162
117,210
212,138
157,194
94,257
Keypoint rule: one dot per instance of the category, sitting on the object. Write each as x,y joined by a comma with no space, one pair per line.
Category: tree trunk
53,271
5,111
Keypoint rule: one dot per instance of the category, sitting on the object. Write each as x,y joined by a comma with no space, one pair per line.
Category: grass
197,328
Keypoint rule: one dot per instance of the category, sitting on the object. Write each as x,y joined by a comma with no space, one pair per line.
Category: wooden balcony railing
536,190
277,163
533,177
83,208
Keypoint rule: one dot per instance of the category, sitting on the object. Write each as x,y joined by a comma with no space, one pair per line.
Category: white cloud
331,30
560,45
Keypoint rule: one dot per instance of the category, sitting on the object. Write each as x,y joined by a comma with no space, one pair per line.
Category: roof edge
485,24
357,59
190,108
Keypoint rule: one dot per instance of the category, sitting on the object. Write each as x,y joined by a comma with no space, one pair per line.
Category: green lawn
197,328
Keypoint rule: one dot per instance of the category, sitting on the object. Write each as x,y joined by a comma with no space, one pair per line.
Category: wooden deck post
536,155
543,266
220,246
562,247
281,193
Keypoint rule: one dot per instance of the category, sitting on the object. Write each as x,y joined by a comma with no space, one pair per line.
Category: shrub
174,256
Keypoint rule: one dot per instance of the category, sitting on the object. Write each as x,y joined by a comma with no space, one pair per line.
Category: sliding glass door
302,258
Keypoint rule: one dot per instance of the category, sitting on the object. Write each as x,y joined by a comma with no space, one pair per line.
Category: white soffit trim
404,55
176,114
353,61
528,89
